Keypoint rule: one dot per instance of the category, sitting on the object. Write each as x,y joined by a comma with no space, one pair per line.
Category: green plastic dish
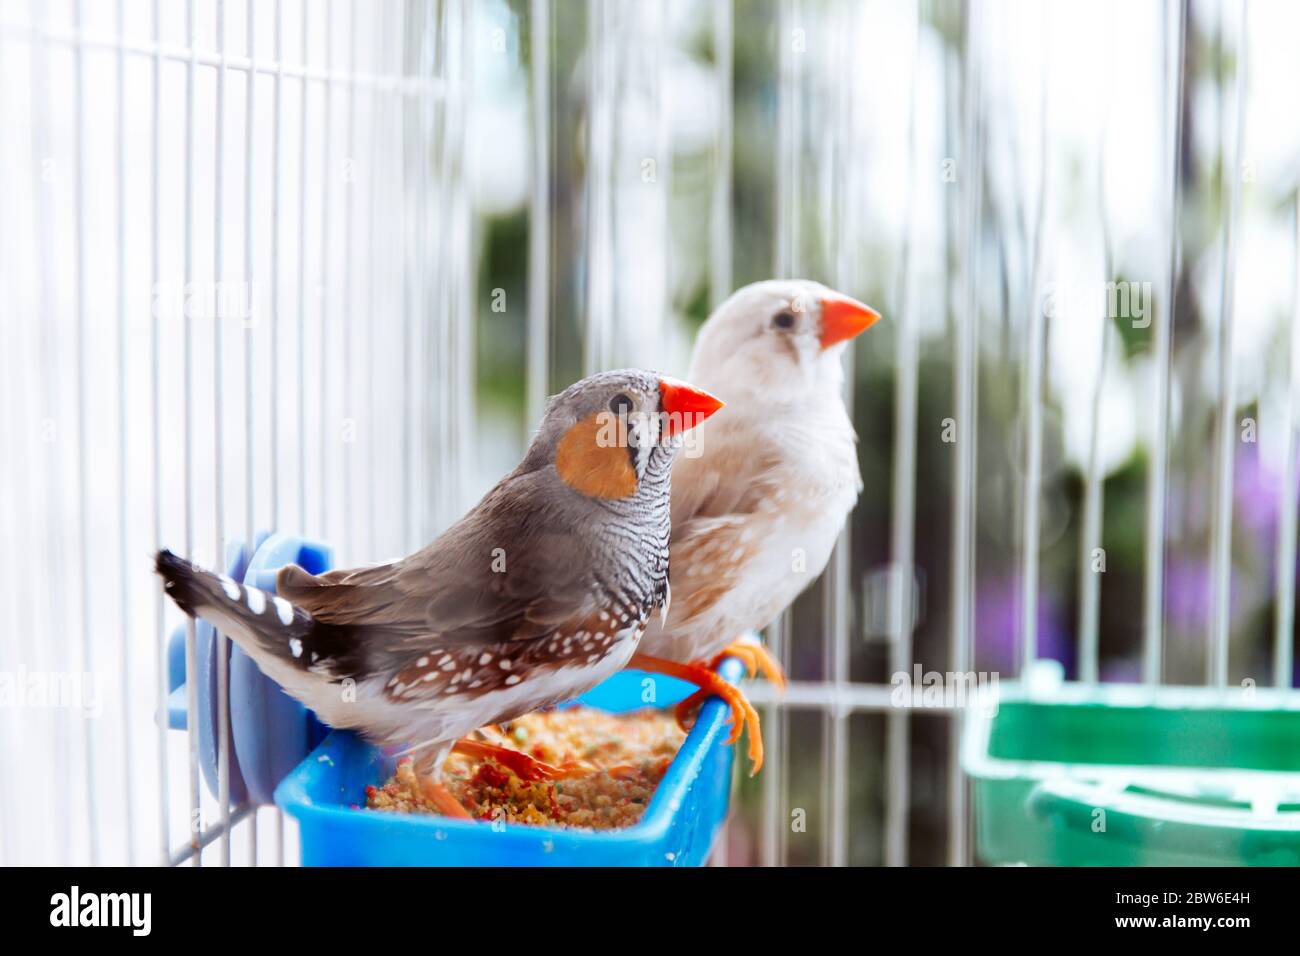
1118,775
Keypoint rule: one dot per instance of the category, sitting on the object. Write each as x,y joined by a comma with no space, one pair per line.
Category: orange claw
742,652
441,798
758,660
711,685
520,764
685,708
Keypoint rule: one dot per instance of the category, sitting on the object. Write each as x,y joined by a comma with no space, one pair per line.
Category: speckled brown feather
451,670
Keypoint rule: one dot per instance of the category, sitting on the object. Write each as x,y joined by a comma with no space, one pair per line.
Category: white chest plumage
778,507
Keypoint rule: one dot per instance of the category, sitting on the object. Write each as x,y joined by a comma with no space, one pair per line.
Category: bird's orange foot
711,685
442,799
520,764
757,659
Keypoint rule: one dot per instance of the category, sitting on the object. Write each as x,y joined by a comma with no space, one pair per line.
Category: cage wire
280,261
245,288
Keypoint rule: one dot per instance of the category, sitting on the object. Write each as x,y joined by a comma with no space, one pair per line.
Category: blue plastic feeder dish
677,829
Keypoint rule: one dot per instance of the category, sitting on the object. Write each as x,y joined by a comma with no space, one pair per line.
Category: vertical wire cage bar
597,295
301,359
250,252
277,213
83,533
1221,538
327,301
903,501
408,409
155,405
1284,621
1157,475
347,323
194,816
125,673
1033,392
965,387
1090,534
720,218
539,215
218,445
1090,543
787,264
836,597
720,212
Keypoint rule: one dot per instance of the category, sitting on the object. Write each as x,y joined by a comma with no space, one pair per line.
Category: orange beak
843,318
685,406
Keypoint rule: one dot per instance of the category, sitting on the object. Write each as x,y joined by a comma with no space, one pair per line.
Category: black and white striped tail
249,615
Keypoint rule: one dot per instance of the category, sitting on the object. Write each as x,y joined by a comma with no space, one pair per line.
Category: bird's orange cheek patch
588,462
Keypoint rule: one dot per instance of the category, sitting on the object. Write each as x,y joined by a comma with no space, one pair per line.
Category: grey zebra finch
537,594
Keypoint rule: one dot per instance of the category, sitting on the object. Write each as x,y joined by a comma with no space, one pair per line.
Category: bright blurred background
859,184
522,192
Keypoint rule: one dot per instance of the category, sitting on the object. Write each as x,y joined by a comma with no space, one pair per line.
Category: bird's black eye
620,404
783,320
